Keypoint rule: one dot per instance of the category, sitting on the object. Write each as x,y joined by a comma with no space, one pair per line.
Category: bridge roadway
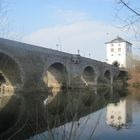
30,68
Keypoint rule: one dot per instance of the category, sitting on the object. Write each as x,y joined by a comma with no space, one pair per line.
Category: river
82,114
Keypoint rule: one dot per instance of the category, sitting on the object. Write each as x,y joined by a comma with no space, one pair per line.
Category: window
112,117
119,44
112,49
112,44
119,118
119,49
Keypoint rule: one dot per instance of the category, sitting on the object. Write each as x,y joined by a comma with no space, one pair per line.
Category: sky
66,25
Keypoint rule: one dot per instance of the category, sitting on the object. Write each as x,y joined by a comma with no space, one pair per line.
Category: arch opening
2,79
56,76
88,75
10,76
107,75
123,75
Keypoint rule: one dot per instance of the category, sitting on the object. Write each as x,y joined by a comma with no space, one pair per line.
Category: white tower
119,52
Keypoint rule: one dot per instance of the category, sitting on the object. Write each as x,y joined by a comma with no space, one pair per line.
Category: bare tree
129,15
6,28
129,7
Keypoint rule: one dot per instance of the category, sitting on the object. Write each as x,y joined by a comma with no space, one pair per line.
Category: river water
83,114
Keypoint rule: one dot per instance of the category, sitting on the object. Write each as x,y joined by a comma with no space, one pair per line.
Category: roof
118,40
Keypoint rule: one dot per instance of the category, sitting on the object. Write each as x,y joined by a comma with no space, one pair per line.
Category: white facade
120,51
119,114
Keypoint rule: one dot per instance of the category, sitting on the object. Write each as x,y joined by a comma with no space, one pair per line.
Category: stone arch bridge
30,68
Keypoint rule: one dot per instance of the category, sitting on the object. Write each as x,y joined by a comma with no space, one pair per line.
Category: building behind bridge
119,53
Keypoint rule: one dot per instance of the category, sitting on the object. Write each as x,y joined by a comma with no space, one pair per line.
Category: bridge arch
11,73
108,75
88,75
123,75
55,76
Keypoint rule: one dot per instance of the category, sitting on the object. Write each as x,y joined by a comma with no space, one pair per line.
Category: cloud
87,36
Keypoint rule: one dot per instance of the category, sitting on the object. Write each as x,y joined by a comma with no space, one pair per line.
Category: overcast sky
72,24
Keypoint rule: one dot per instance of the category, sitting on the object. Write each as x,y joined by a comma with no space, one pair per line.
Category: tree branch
132,10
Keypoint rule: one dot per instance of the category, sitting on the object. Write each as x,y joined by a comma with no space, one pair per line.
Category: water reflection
119,114
11,113
70,114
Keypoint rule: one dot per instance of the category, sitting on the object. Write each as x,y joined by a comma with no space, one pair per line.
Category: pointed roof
118,40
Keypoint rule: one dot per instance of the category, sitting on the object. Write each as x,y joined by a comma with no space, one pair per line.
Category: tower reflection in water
119,114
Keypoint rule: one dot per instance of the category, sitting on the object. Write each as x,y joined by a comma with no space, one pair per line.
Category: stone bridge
30,68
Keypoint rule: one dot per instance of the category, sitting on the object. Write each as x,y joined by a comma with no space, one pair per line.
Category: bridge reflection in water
54,116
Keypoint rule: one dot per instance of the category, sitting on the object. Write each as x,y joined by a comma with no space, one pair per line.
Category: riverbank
134,79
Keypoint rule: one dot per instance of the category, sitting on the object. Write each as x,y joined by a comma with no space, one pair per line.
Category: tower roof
118,40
